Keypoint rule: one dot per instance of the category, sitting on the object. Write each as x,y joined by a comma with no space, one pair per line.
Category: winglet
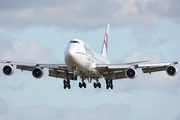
104,51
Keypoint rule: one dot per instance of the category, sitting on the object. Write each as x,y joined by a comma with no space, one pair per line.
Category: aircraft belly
90,69
83,64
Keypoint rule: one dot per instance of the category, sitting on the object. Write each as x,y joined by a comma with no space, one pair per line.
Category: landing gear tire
97,85
83,84
66,84
69,86
80,85
109,84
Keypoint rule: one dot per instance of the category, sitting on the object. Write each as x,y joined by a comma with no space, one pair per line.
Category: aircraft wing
156,67
33,65
128,70
116,67
55,70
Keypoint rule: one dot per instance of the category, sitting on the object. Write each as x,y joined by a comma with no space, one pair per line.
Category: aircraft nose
71,52
70,56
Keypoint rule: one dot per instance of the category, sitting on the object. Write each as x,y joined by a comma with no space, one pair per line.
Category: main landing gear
109,84
82,84
67,84
98,84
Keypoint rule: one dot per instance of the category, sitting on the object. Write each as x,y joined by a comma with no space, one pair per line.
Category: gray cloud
8,86
26,51
16,50
85,14
161,8
5,42
4,113
138,55
156,81
20,4
178,116
105,112
3,106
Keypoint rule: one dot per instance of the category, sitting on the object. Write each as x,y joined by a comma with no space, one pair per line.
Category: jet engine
8,70
131,73
37,72
171,70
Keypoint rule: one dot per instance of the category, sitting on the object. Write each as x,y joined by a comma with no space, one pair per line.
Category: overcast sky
38,31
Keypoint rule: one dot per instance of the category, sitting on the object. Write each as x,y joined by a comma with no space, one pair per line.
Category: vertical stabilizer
104,51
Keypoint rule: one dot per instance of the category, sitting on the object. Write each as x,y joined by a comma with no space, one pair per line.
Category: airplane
83,62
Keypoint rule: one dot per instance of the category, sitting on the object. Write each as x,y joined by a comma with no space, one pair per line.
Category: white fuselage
81,57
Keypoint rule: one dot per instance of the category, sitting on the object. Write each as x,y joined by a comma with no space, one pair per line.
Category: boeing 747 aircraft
81,61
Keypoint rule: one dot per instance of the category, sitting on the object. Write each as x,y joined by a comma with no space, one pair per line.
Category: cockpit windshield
74,41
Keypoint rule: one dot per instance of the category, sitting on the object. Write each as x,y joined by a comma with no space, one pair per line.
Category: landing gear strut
67,84
109,84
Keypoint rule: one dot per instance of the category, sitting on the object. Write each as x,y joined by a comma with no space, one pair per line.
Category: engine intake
37,73
171,70
8,70
131,73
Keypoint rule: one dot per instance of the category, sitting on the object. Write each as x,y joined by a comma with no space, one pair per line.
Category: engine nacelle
37,72
171,70
131,73
8,70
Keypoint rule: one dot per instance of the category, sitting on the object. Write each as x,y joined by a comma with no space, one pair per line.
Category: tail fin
104,51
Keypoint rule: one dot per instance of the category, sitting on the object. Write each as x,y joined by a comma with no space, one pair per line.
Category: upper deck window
74,41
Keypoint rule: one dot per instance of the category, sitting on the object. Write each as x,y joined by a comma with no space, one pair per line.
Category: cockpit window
74,41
